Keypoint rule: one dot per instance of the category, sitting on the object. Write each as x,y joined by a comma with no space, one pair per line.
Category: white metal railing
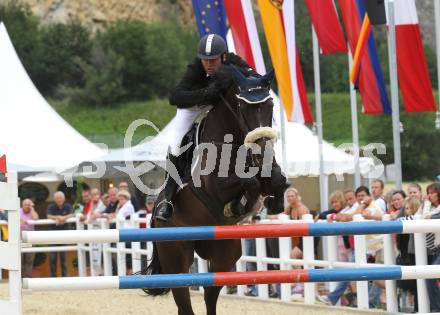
10,258
284,261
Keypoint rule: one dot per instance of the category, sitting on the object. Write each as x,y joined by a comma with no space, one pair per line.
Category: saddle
217,208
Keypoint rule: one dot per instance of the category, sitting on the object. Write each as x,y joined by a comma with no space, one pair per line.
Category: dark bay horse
242,115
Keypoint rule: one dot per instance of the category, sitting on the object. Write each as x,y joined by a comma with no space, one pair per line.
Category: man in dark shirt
193,95
59,211
113,201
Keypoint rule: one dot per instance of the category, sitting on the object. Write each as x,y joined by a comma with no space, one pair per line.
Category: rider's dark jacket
192,88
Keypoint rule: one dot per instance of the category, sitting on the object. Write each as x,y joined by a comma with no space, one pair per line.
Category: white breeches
184,119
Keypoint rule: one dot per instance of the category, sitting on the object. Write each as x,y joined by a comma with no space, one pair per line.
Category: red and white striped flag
244,32
301,109
3,168
413,74
327,26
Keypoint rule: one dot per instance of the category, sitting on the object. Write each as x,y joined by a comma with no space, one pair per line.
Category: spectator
433,244
337,203
351,203
405,245
87,204
387,197
377,187
125,207
105,200
27,213
133,199
59,211
366,207
398,204
295,210
113,201
370,211
432,207
98,205
415,190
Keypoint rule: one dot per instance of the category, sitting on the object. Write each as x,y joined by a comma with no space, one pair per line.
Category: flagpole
394,94
317,79
283,138
354,126
437,41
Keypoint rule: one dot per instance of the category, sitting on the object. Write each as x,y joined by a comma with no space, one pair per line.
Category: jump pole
232,278
230,232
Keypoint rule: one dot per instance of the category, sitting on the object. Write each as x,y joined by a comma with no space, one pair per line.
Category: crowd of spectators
372,203
115,203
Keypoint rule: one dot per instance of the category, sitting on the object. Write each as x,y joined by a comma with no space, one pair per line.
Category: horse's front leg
275,186
177,257
252,191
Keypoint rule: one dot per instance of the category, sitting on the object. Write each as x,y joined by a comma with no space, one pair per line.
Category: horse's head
255,109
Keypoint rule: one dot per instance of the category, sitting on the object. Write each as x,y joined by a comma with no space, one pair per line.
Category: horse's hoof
227,211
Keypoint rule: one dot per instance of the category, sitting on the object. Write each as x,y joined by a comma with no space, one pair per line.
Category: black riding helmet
211,46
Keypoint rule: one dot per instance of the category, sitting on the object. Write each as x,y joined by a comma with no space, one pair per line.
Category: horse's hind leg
177,257
223,256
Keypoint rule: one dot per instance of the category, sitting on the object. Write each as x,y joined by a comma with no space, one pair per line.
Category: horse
242,115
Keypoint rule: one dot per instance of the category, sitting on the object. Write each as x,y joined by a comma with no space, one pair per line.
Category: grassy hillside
108,124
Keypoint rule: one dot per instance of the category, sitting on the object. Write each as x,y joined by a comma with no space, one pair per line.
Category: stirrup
164,215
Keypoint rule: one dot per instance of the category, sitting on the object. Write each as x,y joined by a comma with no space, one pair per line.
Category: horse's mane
224,77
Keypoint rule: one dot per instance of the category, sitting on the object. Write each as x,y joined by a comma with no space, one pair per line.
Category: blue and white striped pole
230,232
233,278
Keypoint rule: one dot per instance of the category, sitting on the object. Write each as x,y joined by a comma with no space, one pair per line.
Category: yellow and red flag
278,19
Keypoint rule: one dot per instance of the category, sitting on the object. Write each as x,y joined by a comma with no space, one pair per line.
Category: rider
193,95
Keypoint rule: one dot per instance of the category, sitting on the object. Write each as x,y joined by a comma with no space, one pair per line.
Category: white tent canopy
32,134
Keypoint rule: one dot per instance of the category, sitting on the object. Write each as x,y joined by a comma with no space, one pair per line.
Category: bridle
243,124
238,115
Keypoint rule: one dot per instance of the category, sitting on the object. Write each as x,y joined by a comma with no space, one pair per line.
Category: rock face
98,13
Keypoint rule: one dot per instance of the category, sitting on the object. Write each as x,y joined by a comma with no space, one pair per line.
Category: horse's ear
239,77
268,77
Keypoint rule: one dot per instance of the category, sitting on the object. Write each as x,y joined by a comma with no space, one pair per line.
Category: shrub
419,154
103,80
61,45
22,27
154,54
127,39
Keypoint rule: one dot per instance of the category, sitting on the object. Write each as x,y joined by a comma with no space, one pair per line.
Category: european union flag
210,17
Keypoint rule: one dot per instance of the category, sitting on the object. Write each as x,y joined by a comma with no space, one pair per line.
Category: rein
244,128
242,123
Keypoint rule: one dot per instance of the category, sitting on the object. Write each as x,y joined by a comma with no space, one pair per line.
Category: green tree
155,55
419,150
23,29
129,41
103,80
60,46
167,54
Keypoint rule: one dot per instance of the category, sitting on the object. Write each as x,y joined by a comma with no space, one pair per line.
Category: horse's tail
155,268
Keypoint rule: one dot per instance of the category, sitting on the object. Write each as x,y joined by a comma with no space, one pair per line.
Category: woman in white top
125,207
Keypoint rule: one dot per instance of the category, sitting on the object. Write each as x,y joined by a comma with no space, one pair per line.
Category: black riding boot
164,209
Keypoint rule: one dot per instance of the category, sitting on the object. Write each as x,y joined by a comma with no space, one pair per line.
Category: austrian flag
412,69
